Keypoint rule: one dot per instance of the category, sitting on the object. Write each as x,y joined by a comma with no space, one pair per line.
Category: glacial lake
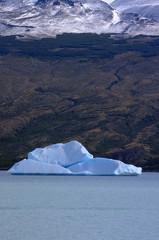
79,207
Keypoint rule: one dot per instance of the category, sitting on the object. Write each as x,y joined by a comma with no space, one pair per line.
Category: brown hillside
99,91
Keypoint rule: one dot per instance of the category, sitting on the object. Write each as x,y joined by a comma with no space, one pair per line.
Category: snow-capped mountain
144,8
42,18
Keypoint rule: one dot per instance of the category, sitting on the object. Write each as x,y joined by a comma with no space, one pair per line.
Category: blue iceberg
71,158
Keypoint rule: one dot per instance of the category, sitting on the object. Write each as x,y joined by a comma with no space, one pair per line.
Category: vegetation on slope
99,91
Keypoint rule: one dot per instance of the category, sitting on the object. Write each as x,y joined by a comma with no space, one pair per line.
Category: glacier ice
71,158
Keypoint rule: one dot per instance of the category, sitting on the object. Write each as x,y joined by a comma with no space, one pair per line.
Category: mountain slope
47,18
144,8
42,18
99,91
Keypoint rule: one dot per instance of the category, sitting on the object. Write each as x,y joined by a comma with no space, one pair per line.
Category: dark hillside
88,87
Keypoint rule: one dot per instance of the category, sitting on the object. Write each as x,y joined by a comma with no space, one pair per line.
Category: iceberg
71,158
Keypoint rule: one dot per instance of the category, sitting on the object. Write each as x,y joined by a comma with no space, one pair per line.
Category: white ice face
61,154
70,158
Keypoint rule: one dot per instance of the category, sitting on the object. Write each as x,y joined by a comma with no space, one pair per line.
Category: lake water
79,207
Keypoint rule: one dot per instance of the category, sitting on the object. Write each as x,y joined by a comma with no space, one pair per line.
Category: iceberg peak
63,154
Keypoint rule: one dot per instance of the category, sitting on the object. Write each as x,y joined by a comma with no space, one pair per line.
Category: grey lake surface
79,207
